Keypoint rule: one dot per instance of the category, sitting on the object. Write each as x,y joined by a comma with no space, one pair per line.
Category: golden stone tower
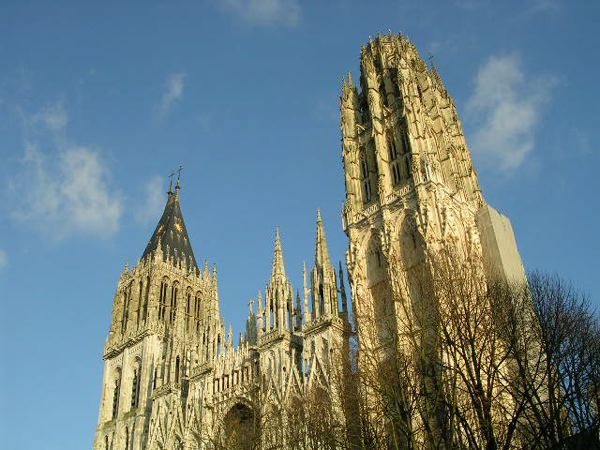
411,193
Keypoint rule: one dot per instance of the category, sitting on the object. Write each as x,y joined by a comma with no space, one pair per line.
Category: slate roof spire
171,234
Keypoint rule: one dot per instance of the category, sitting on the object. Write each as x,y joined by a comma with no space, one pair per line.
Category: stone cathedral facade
173,378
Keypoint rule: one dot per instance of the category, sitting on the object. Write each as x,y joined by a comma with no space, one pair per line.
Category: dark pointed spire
171,236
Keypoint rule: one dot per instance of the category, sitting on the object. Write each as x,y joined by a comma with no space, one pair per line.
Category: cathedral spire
321,253
278,262
307,315
170,235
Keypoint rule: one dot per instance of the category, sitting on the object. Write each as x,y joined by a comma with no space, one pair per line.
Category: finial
430,58
171,175
278,264
178,186
319,219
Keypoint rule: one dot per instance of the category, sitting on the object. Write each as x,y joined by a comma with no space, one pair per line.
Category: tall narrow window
173,303
188,311
154,378
394,161
162,301
126,438
177,370
405,142
139,305
145,308
126,301
366,184
116,394
197,312
407,164
135,388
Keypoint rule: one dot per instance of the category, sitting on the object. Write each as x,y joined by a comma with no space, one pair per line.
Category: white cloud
54,117
3,259
264,12
150,209
174,92
505,109
63,189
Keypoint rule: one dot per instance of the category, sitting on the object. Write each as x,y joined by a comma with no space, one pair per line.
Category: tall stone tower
410,180
166,320
411,190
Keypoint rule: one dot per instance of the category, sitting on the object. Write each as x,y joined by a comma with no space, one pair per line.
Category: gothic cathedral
173,378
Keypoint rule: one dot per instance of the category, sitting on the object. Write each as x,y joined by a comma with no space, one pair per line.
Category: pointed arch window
135,388
162,303
116,394
197,312
177,369
188,311
394,161
173,309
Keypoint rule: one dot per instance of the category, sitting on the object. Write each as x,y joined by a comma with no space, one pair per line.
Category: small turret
278,262
280,295
261,314
323,279
307,312
251,331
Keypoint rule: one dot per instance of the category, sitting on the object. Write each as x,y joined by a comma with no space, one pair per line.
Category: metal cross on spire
430,58
171,175
178,177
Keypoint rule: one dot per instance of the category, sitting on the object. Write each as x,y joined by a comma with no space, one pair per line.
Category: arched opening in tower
240,428
381,295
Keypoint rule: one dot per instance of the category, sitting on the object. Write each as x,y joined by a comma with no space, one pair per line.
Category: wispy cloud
471,5
53,116
3,259
154,193
264,12
505,109
543,6
174,89
62,188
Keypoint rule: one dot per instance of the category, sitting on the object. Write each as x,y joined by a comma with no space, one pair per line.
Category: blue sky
100,101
